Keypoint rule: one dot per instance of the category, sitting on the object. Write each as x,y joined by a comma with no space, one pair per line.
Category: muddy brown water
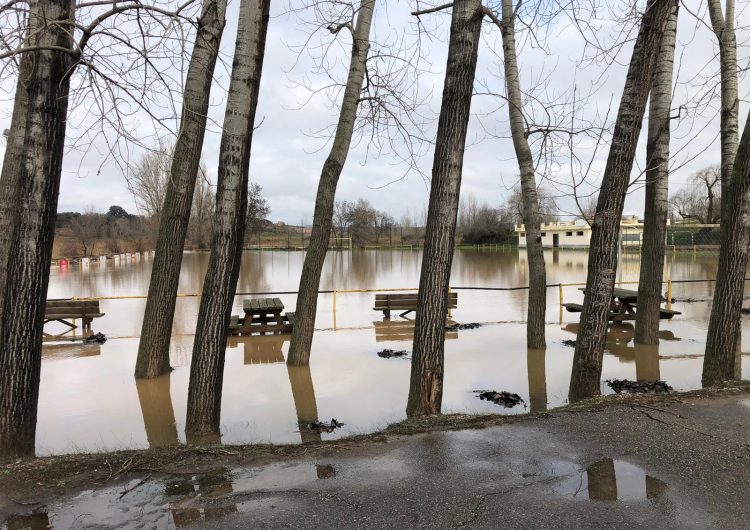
89,400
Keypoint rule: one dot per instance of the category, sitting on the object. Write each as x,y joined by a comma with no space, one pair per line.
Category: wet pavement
667,463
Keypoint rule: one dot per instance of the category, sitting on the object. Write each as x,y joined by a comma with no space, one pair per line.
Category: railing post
669,293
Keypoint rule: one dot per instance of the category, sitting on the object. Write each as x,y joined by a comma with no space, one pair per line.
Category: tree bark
730,104
13,158
46,96
209,347
537,303
307,297
602,265
426,385
657,191
724,327
153,349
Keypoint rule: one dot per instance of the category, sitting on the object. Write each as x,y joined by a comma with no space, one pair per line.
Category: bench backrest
70,307
406,300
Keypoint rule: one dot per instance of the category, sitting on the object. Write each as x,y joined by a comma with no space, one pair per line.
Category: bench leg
406,312
387,313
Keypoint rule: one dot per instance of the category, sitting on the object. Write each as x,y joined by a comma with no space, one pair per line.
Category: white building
577,234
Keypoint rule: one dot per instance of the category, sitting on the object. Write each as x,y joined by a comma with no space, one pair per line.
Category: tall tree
426,385
602,266
13,158
307,297
153,348
45,94
724,328
537,302
657,191
209,347
723,26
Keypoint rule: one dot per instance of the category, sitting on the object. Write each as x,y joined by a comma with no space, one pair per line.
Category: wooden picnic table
623,306
262,315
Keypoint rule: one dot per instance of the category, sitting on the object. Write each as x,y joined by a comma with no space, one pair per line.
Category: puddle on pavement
604,480
89,400
173,501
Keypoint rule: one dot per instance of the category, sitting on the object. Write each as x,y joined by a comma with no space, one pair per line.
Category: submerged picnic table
262,315
623,306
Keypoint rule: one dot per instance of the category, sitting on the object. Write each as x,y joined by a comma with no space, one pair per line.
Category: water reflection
158,414
620,343
71,350
536,364
401,329
33,521
260,349
303,393
185,511
605,480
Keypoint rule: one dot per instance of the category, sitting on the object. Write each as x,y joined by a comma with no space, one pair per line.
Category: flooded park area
89,400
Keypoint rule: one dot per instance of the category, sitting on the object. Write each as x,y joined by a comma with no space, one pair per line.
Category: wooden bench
64,310
406,302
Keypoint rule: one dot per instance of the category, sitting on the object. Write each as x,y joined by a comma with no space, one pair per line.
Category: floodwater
89,400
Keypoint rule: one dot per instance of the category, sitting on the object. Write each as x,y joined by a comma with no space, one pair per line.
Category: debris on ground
569,342
98,338
321,426
506,399
639,387
745,310
456,326
387,354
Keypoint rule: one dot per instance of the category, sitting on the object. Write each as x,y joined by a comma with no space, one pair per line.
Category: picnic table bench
67,309
623,306
262,315
406,302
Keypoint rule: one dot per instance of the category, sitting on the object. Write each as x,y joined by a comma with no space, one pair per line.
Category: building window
522,234
579,233
544,234
568,234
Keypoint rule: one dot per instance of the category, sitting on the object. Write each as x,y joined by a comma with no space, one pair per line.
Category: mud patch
457,326
638,387
504,399
389,354
321,426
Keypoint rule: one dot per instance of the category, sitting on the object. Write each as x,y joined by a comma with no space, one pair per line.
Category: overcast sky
288,152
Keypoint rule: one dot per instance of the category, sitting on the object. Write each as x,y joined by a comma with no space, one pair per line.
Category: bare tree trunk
209,348
426,385
602,267
532,220
13,158
153,349
657,191
730,104
46,94
724,328
307,298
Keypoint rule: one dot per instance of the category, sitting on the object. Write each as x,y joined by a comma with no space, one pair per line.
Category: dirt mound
639,387
387,354
457,326
320,426
504,399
